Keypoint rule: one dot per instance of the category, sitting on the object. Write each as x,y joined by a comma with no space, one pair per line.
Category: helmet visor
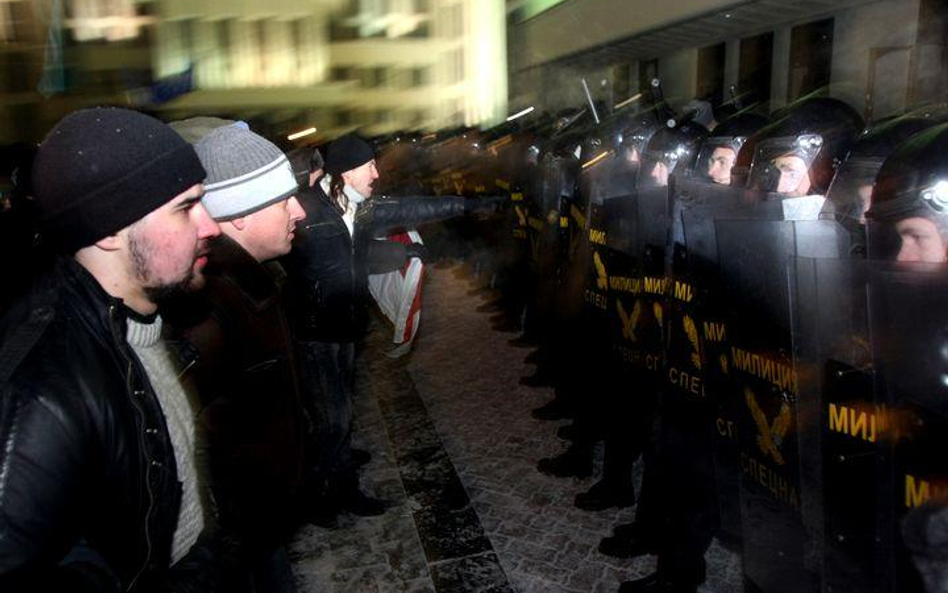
850,194
717,159
782,165
657,166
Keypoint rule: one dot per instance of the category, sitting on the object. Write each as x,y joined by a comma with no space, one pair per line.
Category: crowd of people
177,384
178,380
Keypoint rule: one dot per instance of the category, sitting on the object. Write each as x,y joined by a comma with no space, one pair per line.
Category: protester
245,372
101,487
327,301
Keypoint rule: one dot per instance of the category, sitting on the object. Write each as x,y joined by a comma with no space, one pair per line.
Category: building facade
336,65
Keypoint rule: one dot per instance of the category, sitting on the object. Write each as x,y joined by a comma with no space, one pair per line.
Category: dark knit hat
346,153
99,170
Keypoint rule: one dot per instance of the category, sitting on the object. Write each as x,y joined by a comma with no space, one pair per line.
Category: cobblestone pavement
455,450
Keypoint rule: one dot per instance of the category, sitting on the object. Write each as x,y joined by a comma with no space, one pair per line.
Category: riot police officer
718,157
588,397
714,166
799,153
908,222
792,163
907,218
662,524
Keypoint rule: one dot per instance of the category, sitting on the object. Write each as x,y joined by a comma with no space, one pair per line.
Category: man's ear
113,242
239,223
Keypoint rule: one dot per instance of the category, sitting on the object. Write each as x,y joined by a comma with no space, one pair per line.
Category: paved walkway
455,448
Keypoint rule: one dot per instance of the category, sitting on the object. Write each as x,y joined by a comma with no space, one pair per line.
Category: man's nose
207,226
297,212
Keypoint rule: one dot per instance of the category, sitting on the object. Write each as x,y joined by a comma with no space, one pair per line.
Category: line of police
757,308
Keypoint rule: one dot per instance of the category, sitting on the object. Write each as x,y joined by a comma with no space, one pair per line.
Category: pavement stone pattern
455,450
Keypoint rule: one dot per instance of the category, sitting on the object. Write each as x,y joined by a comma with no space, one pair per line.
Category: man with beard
246,380
100,488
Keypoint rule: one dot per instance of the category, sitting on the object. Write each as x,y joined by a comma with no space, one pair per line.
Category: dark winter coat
327,292
246,381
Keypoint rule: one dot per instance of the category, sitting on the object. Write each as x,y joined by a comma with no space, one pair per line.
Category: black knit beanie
101,169
346,153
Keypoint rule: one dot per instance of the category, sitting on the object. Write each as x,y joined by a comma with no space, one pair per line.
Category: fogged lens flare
520,113
631,99
593,161
301,133
502,141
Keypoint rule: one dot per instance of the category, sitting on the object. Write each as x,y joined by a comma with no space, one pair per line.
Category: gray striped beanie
245,173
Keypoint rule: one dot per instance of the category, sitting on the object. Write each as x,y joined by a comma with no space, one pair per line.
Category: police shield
753,254
909,334
697,353
635,286
555,184
841,422
603,178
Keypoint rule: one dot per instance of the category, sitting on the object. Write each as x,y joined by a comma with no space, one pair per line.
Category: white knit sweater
146,340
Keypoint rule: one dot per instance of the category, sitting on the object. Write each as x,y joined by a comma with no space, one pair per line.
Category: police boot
628,541
665,582
494,306
351,498
555,409
654,583
361,504
524,341
321,508
604,495
568,432
572,462
502,323
538,379
360,457
323,514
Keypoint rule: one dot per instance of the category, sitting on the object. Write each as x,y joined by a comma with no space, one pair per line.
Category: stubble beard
142,252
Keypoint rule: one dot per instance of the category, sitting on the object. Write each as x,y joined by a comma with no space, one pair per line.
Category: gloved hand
416,250
485,205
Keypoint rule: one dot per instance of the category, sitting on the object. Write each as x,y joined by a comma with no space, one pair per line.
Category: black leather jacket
89,494
327,290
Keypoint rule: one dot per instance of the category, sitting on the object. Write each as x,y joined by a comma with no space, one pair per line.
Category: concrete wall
554,87
557,87
887,24
578,25
679,73
857,31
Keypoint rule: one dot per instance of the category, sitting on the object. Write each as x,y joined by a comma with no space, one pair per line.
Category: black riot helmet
611,156
848,196
623,137
673,148
908,217
718,157
634,133
798,153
